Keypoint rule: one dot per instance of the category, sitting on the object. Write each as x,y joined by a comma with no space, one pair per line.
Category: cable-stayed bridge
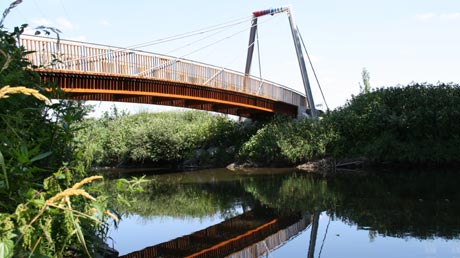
104,73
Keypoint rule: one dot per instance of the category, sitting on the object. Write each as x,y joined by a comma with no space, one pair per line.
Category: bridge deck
96,72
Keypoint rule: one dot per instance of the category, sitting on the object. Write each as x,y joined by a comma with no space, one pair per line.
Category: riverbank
401,126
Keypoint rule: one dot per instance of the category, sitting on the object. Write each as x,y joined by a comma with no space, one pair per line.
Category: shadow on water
420,205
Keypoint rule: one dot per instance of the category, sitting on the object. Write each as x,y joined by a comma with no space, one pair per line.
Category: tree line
405,125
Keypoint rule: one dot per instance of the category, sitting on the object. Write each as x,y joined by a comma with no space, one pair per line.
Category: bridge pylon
297,44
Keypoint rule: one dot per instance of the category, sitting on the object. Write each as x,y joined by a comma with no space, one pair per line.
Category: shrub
156,138
414,124
287,141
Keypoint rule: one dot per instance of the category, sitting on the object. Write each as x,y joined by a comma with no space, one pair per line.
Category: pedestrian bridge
104,73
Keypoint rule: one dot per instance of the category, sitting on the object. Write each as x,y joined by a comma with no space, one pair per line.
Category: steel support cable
222,39
190,34
176,37
40,10
199,49
168,39
260,65
194,51
223,69
236,56
198,40
225,38
324,238
258,50
312,68
287,240
268,250
65,10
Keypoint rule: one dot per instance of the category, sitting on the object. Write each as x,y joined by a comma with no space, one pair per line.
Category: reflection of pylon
296,37
314,234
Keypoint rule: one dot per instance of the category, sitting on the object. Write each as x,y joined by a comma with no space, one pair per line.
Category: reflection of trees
421,205
181,199
297,192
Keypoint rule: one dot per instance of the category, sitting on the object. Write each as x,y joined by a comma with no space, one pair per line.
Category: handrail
95,58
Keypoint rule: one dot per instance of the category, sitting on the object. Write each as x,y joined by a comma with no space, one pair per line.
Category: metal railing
94,58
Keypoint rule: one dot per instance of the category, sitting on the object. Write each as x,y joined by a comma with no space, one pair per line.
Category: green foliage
159,137
413,124
51,221
39,162
284,140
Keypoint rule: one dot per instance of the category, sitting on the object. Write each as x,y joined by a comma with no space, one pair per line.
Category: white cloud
444,16
104,23
64,24
425,16
60,23
41,22
451,16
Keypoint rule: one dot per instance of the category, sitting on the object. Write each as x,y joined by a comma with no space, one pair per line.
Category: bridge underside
101,87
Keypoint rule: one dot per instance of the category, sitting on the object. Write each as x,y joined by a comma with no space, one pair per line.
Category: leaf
2,164
40,156
6,248
38,202
99,208
5,13
120,185
80,236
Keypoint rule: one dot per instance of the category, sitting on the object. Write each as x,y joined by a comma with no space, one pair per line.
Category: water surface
295,214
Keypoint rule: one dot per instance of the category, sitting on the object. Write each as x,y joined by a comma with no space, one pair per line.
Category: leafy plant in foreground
38,160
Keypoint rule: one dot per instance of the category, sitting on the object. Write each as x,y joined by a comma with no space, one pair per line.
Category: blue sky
398,42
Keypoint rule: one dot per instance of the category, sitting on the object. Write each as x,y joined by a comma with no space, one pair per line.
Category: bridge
88,71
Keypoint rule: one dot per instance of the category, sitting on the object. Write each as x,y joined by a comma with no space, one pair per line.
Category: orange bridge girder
122,88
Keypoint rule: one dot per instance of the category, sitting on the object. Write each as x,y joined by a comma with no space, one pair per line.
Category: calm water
294,214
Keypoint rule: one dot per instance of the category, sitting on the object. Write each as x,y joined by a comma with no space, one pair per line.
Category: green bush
159,138
287,141
414,124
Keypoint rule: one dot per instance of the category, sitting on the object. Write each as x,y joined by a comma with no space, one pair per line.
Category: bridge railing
94,58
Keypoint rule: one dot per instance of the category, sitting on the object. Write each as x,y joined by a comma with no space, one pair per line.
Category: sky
399,42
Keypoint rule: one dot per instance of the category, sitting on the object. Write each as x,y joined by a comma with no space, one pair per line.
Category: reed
8,90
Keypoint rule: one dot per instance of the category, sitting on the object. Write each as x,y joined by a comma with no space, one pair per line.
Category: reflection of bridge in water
251,234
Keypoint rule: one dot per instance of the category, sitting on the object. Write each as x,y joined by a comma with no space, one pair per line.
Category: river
287,213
